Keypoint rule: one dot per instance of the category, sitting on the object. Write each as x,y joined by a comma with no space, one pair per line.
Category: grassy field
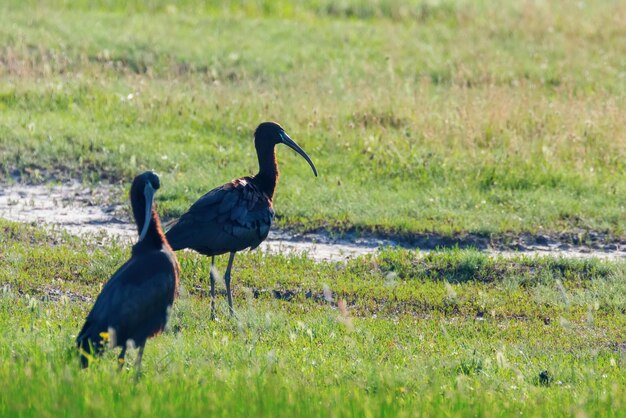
422,116
451,333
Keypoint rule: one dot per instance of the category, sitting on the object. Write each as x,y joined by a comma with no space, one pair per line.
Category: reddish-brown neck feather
154,236
155,228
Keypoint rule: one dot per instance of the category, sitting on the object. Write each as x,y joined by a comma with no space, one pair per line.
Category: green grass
422,116
445,333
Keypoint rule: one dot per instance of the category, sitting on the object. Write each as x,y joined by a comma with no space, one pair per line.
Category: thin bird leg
227,280
120,358
212,277
138,363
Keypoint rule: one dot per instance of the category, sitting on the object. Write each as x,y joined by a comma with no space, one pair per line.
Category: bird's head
142,197
268,134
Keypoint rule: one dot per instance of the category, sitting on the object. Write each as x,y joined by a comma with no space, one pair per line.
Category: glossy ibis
133,305
237,215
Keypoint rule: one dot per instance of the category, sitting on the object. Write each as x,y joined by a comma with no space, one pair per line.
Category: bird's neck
267,177
154,236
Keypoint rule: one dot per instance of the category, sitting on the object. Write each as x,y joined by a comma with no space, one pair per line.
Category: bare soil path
84,210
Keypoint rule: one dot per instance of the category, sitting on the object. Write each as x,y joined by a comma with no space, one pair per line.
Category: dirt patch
579,245
83,210
71,206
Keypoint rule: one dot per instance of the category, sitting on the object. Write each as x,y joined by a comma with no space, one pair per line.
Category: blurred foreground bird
134,304
237,215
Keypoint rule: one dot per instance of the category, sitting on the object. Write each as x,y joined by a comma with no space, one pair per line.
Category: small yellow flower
104,335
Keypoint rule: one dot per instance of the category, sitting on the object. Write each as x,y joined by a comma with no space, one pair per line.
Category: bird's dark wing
134,301
232,217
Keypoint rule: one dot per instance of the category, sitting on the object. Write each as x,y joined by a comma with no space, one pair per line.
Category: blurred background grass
422,116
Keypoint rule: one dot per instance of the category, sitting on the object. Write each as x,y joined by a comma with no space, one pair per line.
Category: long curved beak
292,144
148,192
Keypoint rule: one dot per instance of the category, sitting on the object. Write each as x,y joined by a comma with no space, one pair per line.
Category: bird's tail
169,224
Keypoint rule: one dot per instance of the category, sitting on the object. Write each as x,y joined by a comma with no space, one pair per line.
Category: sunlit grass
422,116
479,118
452,332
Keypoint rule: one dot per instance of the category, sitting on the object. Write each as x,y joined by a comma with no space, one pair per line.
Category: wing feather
133,302
232,217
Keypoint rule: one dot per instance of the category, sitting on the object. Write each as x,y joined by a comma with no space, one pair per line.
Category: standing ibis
134,303
237,215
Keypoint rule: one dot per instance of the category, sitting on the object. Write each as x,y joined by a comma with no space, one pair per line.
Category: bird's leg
227,281
120,358
138,363
212,279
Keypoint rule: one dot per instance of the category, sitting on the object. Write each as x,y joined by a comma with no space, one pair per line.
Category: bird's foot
234,315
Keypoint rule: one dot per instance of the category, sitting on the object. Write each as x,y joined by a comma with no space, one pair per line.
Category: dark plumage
239,214
134,303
